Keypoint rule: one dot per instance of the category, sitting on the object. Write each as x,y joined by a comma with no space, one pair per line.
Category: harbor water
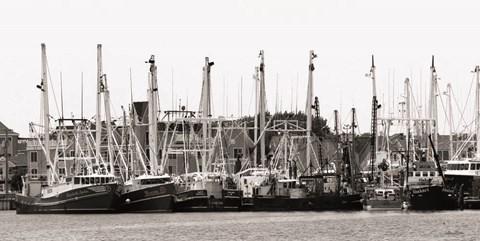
362,225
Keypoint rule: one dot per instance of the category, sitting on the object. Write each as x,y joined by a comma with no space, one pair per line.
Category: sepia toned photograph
239,120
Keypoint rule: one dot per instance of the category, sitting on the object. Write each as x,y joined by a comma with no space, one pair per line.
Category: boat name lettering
448,190
421,190
151,193
100,189
77,193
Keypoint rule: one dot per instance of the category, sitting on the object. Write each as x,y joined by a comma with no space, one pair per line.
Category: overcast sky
344,34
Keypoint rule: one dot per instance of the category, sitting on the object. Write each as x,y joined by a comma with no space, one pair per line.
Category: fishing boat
205,185
384,192
463,170
426,183
92,187
383,199
152,190
279,187
147,194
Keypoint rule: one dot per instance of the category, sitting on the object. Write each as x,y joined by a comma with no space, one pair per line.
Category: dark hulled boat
429,191
307,193
434,197
206,192
147,194
85,194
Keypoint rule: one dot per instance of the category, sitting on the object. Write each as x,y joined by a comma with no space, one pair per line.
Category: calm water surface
452,225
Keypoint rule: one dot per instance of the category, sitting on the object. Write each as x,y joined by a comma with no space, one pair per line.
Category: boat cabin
93,180
463,168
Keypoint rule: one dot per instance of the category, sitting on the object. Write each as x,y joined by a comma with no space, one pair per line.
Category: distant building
16,155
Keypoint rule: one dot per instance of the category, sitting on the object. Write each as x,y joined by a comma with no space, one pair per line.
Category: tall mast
354,116
450,118
108,123
98,125
433,108
308,110
255,125
262,106
152,116
46,122
407,91
375,106
206,109
477,110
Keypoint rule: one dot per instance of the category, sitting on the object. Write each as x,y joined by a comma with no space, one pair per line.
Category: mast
125,142
450,118
352,161
46,122
132,129
152,116
206,110
477,110
407,90
262,106
255,125
98,125
433,108
308,110
375,106
108,122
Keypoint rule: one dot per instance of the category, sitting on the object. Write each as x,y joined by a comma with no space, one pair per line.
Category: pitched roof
3,127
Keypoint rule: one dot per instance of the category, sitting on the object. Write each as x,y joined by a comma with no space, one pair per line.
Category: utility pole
5,154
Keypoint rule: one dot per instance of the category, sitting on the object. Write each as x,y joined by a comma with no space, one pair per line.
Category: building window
170,169
72,153
146,139
237,152
71,171
61,171
147,153
172,156
33,156
34,173
444,155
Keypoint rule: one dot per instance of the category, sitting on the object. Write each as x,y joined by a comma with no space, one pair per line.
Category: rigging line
458,107
468,96
51,87
251,97
415,106
346,118
443,107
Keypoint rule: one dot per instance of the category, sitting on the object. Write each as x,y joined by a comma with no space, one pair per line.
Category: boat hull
319,203
199,201
473,203
191,201
383,205
432,198
90,199
158,198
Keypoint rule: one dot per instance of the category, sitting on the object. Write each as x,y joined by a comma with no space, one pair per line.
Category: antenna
276,98
131,88
61,92
241,96
296,97
81,97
